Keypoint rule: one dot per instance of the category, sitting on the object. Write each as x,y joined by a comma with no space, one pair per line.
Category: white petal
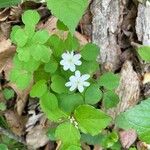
66,67
78,63
85,77
73,87
77,56
77,74
86,84
68,84
72,53
72,68
62,62
72,78
64,55
80,88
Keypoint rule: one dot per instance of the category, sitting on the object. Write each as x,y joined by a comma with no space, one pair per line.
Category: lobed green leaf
137,118
91,120
109,80
75,9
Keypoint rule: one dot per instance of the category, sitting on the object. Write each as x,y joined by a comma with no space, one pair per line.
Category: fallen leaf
4,14
15,122
6,52
51,26
146,78
127,138
22,97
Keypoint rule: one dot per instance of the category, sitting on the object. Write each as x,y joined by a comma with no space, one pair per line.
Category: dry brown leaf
6,52
146,78
127,138
142,146
128,90
50,146
50,26
37,137
15,122
97,147
22,97
4,14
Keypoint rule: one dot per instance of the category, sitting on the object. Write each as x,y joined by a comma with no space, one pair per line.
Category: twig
12,135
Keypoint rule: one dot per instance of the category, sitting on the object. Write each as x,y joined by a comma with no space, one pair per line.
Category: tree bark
116,24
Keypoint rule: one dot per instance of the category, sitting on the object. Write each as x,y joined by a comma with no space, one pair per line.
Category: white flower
69,60
78,81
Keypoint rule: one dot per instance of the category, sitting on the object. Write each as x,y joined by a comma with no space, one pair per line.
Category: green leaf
71,138
38,89
109,80
110,99
31,65
68,102
144,53
3,147
73,8
90,52
23,54
58,84
91,140
8,3
20,37
40,37
12,35
91,120
51,66
2,106
30,31
61,26
40,74
88,67
71,43
51,134
41,52
8,93
93,94
49,105
137,118
22,78
57,45
109,140
30,17
73,147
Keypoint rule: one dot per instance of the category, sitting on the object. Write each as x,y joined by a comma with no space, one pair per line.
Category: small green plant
8,94
144,53
63,74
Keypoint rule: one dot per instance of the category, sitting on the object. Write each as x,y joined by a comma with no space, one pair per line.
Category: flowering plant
63,73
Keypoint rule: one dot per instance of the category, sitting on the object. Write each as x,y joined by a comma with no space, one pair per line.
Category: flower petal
66,67
73,87
77,74
68,84
78,63
80,88
62,62
85,77
77,56
72,68
86,84
72,78
65,55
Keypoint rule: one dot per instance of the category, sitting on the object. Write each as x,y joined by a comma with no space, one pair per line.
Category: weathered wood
106,19
143,24
128,90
